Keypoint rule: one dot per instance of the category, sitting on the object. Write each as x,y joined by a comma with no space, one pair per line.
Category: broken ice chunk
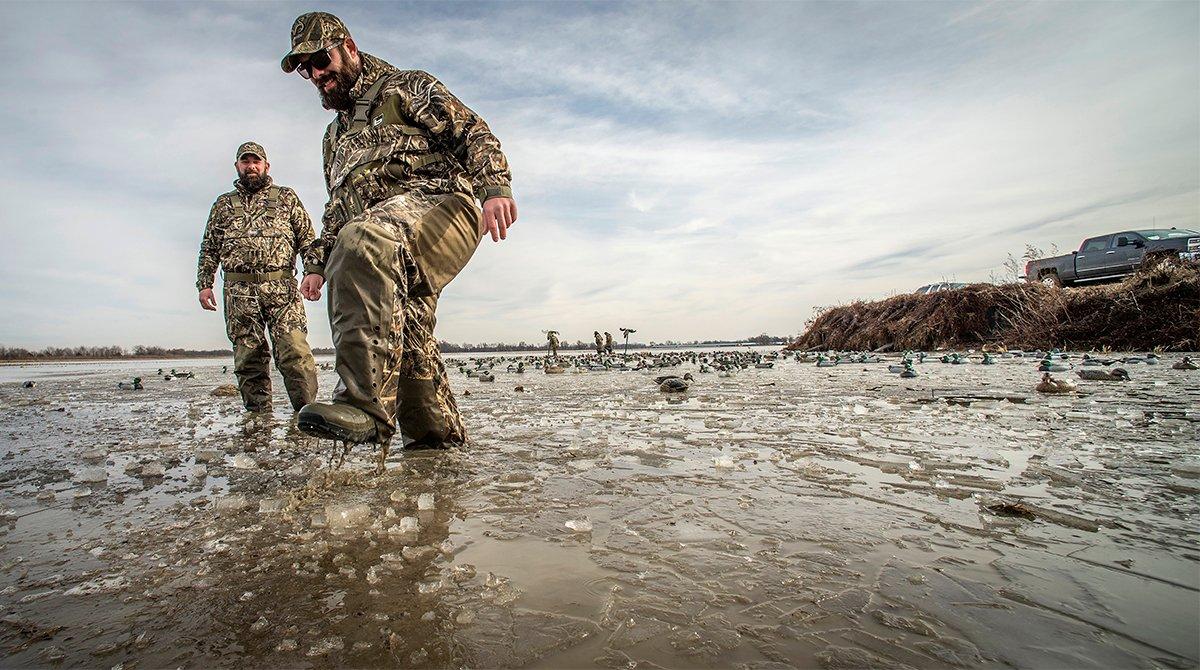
244,462
579,525
340,517
425,501
91,475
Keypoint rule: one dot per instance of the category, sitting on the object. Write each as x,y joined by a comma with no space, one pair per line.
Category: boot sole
317,426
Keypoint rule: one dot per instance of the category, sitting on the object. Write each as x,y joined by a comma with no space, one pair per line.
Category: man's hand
208,300
499,214
310,286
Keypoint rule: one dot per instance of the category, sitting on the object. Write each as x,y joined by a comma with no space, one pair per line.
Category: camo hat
311,33
250,148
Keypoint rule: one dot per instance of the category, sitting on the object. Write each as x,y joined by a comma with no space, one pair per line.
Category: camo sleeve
210,249
460,129
303,236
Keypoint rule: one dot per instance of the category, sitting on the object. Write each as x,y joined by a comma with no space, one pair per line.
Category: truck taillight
1194,244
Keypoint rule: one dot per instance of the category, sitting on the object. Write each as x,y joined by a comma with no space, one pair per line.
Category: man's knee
362,245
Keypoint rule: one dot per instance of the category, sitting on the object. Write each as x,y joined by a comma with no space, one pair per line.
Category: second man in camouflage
254,234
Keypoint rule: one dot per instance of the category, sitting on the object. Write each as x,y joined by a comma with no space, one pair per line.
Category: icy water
795,516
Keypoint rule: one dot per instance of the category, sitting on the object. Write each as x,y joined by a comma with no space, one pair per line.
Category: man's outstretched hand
208,300
310,286
499,214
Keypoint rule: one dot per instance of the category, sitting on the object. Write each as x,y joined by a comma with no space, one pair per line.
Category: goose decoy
1185,364
1114,375
225,368
1051,385
30,385
135,385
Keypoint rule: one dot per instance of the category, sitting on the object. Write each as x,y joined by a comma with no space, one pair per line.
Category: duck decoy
30,385
1185,364
1114,375
135,385
1051,385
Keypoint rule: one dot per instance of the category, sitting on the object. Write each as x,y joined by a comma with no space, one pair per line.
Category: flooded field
837,517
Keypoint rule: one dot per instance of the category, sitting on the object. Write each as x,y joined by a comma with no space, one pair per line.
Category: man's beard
253,183
339,97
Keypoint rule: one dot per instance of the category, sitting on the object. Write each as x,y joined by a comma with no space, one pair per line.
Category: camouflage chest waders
259,301
395,250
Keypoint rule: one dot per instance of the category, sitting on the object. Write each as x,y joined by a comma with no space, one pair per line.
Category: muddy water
795,516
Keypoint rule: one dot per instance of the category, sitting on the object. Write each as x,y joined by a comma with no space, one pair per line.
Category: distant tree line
112,351
148,351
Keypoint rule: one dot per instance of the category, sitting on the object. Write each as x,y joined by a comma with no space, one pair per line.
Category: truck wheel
1051,279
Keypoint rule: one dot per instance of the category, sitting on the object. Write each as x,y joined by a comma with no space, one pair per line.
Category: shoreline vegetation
1156,308
18,355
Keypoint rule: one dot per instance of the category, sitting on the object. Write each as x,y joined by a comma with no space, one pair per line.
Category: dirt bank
1157,308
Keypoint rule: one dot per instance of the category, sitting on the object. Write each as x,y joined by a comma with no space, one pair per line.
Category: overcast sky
692,170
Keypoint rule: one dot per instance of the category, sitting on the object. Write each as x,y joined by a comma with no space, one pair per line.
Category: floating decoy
1051,385
1114,375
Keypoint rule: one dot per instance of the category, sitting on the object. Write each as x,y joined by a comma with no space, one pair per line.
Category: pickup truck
1111,256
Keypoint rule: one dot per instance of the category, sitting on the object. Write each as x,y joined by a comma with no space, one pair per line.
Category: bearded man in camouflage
405,162
254,233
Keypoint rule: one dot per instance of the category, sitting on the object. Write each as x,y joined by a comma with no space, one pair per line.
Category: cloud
692,170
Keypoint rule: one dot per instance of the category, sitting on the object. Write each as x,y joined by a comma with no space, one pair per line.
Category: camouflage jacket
427,139
254,242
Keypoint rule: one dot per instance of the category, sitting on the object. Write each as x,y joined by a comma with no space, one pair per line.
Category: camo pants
273,306
385,273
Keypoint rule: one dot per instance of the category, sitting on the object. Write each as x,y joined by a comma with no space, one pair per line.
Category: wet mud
836,517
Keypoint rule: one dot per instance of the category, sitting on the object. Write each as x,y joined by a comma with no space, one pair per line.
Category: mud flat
794,516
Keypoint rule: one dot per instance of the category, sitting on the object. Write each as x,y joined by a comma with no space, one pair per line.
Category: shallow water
794,516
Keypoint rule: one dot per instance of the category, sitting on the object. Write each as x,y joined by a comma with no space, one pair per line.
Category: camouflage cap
310,33
250,148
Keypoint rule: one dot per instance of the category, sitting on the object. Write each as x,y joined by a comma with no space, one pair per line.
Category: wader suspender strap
362,107
272,208
269,213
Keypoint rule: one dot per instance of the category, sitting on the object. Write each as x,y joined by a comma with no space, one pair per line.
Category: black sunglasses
319,60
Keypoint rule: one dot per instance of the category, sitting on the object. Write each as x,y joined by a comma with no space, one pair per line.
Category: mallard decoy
823,362
487,377
30,385
687,376
672,384
180,374
897,368
135,385
1051,385
764,365
908,372
1049,366
554,369
1152,359
987,359
1114,375
1185,364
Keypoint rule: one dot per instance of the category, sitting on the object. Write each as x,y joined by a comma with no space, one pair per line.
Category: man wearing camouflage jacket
254,233
405,162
